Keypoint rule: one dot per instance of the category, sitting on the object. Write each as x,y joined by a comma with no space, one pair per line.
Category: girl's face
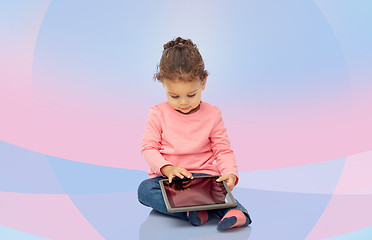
184,96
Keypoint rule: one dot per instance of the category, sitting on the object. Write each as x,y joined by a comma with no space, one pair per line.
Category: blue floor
106,197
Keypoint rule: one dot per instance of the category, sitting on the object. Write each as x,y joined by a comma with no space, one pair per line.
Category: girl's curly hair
181,60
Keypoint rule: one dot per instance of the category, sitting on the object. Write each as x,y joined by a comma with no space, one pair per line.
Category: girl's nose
183,101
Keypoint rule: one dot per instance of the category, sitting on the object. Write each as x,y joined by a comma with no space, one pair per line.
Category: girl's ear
204,82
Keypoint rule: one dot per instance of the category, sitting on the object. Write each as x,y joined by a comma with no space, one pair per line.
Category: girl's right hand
175,171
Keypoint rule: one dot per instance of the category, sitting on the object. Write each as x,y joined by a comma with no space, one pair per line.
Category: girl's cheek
172,102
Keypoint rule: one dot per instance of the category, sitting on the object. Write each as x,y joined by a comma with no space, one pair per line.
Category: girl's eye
174,96
192,95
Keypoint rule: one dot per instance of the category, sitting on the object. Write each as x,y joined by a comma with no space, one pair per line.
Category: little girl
186,137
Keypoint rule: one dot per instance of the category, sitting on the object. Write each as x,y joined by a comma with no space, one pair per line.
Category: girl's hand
175,171
230,180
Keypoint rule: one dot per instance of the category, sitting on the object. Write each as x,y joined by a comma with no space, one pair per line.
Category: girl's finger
184,172
170,178
187,174
222,178
178,174
230,185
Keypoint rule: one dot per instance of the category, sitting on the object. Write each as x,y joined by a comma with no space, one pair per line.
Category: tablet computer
199,193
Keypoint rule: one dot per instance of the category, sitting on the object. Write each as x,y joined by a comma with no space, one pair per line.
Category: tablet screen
200,191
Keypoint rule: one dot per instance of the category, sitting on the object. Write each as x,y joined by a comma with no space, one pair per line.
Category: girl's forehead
182,84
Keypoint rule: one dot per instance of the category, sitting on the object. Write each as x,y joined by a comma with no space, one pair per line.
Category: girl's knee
143,189
146,189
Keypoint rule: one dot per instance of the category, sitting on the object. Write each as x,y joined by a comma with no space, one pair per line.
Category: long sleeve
151,143
222,151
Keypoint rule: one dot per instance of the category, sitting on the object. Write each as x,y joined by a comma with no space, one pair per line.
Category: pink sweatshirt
197,142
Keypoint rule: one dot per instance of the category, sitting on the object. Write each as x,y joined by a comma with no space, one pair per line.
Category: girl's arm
151,142
222,151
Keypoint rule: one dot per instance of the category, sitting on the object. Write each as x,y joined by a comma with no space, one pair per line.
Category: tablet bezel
199,207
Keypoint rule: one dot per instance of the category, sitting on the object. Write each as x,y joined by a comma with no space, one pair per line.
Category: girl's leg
233,217
149,194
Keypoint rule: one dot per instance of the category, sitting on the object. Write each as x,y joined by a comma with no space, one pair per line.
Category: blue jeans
149,194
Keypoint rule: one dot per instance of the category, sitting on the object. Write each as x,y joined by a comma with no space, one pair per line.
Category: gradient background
293,79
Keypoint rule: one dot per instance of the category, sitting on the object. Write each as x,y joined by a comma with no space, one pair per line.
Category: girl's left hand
230,180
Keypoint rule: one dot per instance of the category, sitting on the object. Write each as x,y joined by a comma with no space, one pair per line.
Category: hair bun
179,42
181,60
